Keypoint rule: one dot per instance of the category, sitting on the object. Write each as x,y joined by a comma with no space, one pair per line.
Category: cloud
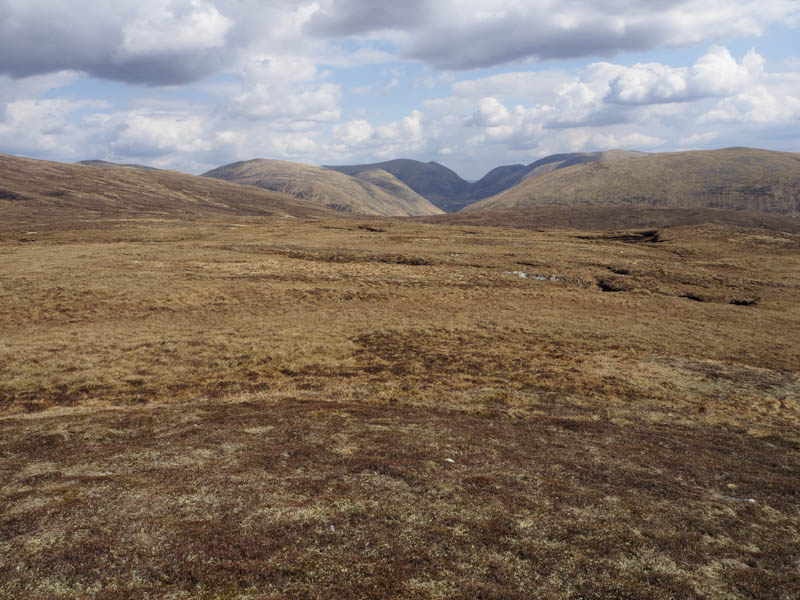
170,42
174,27
359,137
41,127
320,103
716,74
490,112
342,18
355,132
698,138
469,34
536,86
147,135
151,42
755,105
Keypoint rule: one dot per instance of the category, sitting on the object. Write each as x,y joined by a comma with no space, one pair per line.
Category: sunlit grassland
266,410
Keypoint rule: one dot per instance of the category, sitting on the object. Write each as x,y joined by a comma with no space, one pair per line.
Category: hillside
502,178
35,192
328,188
451,193
106,164
759,181
396,188
611,218
441,186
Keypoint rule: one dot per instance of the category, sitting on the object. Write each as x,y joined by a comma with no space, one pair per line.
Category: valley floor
375,409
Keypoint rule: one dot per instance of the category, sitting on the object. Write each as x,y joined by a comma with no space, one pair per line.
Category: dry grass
747,179
266,410
613,217
442,186
38,193
376,193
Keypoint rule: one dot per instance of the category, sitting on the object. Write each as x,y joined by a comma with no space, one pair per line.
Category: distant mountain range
371,191
451,193
752,181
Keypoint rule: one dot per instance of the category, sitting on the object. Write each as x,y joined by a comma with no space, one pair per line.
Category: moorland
225,392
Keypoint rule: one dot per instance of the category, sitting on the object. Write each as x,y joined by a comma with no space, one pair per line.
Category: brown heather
351,408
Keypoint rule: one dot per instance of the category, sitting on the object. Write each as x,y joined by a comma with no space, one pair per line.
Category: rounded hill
743,179
392,198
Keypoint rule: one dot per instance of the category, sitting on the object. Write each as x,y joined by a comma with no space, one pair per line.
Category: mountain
435,182
747,179
329,188
502,178
105,163
396,188
451,193
37,192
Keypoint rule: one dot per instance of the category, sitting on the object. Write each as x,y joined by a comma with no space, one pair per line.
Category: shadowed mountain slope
441,186
36,192
329,188
759,181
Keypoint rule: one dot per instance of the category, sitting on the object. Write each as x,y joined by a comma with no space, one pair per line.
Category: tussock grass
266,410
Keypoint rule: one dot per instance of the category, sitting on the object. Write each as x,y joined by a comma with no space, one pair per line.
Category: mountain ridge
754,180
450,192
37,192
329,188
440,185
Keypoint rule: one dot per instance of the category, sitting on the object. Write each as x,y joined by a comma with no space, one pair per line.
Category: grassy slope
323,186
107,164
733,178
35,192
416,204
612,218
442,186
267,410
500,179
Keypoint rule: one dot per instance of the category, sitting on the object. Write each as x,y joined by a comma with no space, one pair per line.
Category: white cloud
320,103
155,134
698,139
468,34
715,74
40,127
358,137
285,87
406,132
755,105
175,26
353,133
490,112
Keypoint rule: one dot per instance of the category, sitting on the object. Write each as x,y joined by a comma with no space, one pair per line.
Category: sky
472,84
